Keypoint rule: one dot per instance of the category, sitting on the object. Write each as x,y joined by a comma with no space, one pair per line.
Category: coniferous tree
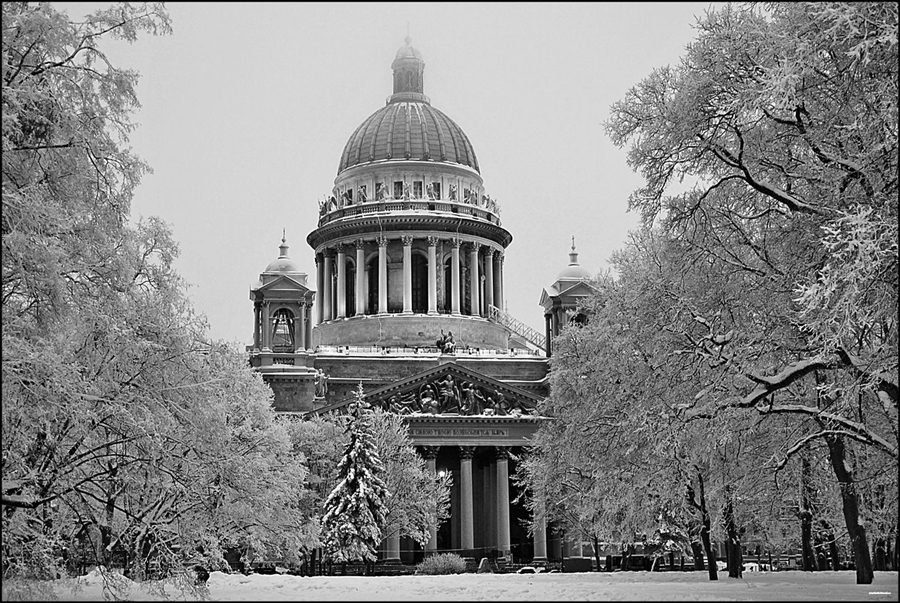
355,510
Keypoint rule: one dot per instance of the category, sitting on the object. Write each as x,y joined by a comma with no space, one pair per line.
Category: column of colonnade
485,265
499,497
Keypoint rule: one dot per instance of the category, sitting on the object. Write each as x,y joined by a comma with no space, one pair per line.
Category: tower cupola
409,69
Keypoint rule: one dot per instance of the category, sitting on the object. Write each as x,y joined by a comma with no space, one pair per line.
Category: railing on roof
393,205
530,335
420,350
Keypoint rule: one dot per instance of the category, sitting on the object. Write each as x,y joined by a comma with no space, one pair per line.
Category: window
436,187
398,189
417,189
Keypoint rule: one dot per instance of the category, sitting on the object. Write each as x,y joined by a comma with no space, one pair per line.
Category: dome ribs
390,132
408,152
384,113
408,130
423,126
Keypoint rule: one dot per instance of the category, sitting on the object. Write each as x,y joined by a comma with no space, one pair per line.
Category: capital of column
430,452
466,452
456,242
382,241
329,253
489,252
407,240
474,246
360,244
308,304
432,241
340,248
502,453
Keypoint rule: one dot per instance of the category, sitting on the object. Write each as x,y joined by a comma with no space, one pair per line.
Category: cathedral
408,301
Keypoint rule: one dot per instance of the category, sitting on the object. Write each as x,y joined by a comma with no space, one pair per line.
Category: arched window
373,286
283,331
350,288
419,284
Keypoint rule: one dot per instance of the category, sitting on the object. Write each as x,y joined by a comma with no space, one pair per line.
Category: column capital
360,244
329,253
340,247
456,242
430,452
382,241
466,452
407,240
502,453
489,251
501,255
432,240
474,246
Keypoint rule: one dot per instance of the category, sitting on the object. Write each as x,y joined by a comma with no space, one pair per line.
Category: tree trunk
733,553
705,523
833,551
806,519
837,454
697,552
596,544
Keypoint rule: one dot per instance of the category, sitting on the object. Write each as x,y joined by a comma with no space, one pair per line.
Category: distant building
408,300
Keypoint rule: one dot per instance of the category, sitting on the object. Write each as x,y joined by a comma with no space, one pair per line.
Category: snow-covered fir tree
355,509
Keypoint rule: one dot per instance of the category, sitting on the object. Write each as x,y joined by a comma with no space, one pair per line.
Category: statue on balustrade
445,343
361,194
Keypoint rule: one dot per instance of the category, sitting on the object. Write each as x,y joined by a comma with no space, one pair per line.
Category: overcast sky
247,108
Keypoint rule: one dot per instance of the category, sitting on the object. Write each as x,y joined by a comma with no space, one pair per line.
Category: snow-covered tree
785,116
418,499
354,512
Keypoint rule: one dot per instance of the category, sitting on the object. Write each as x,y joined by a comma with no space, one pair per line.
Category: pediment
282,282
453,389
579,289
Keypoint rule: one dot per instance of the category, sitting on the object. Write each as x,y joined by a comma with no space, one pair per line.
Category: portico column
299,330
540,531
360,278
465,495
257,313
488,280
503,540
454,276
547,334
307,331
266,331
392,552
430,453
474,281
432,276
382,275
341,282
407,273
326,286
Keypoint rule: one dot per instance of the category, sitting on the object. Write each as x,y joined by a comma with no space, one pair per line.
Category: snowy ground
620,586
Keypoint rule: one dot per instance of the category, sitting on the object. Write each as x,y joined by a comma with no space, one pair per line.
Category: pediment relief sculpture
448,395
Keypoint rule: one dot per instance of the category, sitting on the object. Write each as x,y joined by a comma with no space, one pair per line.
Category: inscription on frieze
458,432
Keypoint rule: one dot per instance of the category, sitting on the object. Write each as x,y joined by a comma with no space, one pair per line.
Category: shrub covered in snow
445,563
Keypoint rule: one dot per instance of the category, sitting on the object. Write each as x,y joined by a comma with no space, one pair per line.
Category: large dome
408,130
